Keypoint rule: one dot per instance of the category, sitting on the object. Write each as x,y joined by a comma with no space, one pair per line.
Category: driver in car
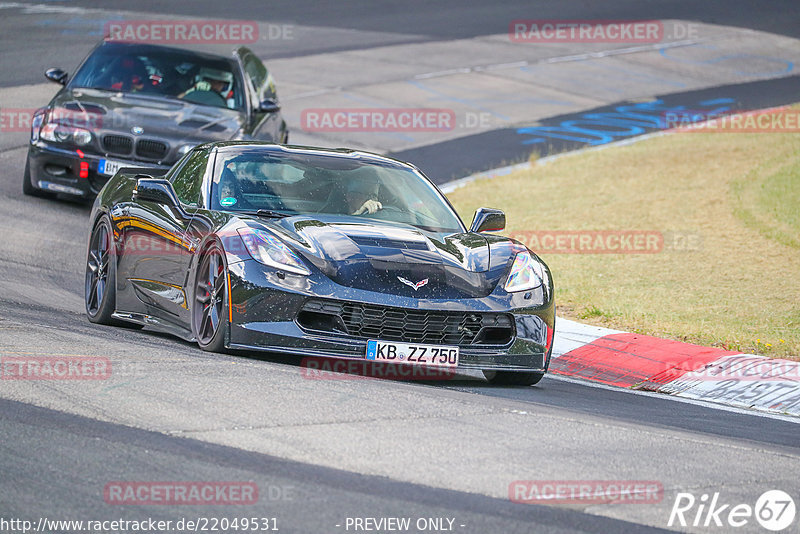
213,80
362,197
361,193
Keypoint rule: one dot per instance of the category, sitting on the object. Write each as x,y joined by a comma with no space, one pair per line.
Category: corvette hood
166,119
397,258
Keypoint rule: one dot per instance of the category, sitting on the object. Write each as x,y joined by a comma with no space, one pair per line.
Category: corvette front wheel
210,310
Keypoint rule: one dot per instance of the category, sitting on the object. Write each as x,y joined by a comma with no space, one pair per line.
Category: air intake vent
385,242
85,108
369,321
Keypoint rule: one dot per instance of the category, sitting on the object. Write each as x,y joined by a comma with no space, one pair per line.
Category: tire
513,378
27,185
100,280
210,299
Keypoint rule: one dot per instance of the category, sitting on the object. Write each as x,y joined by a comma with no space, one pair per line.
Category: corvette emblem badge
409,283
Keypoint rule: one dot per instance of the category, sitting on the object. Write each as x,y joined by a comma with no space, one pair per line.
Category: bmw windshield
294,183
165,72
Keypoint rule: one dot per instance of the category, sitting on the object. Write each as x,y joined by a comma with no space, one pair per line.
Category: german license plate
412,353
109,167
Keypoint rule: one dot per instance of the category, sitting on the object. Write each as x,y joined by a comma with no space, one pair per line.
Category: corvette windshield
161,72
301,183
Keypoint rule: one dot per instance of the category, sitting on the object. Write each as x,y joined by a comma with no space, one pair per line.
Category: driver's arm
369,206
202,85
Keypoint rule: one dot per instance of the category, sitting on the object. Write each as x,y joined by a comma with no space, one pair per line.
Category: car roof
367,157
213,52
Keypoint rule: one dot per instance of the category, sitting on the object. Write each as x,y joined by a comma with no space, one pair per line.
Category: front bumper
57,170
264,310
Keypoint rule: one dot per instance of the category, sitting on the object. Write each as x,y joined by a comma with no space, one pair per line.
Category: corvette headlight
266,249
526,274
60,133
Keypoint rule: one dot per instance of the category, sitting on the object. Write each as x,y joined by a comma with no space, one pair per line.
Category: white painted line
316,92
440,73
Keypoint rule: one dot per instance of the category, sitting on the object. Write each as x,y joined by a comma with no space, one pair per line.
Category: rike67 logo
774,510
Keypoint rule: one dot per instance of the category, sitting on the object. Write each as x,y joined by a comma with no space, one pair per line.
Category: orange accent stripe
144,225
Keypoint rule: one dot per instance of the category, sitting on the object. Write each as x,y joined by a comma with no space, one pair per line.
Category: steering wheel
389,213
208,98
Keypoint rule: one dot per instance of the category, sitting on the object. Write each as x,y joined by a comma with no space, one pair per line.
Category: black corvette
142,105
317,252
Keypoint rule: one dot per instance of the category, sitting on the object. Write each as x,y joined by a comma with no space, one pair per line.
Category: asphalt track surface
339,448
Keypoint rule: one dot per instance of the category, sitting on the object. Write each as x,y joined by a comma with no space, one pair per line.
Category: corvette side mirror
488,220
56,76
156,190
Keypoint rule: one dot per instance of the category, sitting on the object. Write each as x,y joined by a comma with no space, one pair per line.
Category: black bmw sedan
143,105
317,253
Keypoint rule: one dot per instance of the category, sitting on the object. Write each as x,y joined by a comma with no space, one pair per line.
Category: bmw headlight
526,274
36,124
61,133
266,249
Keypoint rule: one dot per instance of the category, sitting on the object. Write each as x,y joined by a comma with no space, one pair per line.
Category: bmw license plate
412,353
109,167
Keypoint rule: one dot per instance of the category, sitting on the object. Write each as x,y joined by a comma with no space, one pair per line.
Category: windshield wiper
271,214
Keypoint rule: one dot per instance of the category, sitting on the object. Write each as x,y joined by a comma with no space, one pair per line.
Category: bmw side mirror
156,190
56,76
269,105
488,220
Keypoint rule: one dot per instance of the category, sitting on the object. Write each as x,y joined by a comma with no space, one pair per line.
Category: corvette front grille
369,321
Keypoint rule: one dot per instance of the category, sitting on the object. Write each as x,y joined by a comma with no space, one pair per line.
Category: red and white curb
640,362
